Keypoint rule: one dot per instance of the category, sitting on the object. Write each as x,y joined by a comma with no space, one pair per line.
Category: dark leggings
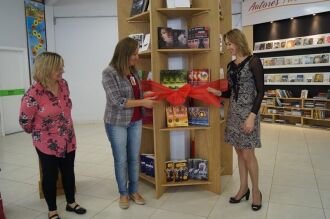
50,165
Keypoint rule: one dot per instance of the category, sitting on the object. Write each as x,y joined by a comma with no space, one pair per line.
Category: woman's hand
149,102
248,125
148,93
214,91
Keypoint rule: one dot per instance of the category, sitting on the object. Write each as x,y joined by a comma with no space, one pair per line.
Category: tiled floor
294,179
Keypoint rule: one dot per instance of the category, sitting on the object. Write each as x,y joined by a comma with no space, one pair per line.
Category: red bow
178,97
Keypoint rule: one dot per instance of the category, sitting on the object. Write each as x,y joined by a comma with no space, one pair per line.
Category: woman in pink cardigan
46,114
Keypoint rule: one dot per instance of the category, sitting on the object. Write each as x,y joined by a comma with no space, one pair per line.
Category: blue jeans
126,144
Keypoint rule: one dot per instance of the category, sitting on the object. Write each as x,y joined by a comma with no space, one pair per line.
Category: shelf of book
147,178
190,182
298,83
144,17
325,120
297,66
156,139
185,128
182,12
183,51
292,48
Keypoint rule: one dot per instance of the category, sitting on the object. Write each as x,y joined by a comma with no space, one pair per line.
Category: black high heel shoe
233,200
257,207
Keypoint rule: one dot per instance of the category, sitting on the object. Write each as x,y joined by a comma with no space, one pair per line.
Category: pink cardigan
48,119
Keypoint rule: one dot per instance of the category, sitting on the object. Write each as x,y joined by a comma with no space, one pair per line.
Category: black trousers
50,166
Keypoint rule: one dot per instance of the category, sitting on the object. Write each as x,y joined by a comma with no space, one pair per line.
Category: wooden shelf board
185,128
148,178
183,50
289,107
148,127
190,182
182,12
315,99
144,17
296,66
293,48
325,120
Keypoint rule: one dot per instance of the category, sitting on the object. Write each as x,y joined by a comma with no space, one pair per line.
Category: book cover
138,37
199,37
308,41
285,78
146,45
170,117
304,94
173,79
290,43
165,38
203,169
308,60
292,78
318,77
269,45
137,7
262,46
283,43
201,76
198,116
257,46
297,60
288,60
179,38
276,44
320,39
300,78
298,41
279,61
169,170
180,171
180,116
150,165
325,58
327,39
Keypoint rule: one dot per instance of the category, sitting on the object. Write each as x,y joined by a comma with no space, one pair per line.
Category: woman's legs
117,136
253,169
133,150
243,174
66,166
49,168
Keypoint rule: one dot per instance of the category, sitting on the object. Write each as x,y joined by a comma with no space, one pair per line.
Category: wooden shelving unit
209,141
309,116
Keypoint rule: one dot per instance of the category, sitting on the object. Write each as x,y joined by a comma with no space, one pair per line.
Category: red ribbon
178,97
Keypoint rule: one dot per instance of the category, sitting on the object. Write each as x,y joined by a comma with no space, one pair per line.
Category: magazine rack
209,142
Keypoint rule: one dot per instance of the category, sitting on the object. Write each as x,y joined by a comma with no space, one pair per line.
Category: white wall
12,24
85,35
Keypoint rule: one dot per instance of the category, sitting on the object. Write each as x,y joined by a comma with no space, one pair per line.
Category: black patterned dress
246,82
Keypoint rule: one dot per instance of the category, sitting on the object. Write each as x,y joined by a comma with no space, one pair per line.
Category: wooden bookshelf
311,120
209,141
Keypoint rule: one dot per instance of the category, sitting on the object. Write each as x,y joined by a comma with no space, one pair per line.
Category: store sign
261,11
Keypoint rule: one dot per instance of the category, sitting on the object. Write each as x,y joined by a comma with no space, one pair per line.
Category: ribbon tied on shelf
178,97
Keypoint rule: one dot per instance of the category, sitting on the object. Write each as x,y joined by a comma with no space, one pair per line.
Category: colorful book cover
137,7
169,170
179,38
170,117
180,116
181,171
165,38
198,116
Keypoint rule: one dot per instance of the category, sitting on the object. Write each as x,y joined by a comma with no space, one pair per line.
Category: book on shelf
292,78
290,43
198,116
304,94
176,116
170,3
298,41
318,77
300,78
173,79
165,38
179,38
269,45
180,171
197,77
285,78
138,37
262,46
198,168
283,43
198,37
297,60
320,39
146,45
279,61
308,41
279,103
147,164
169,170
327,38
276,44
139,6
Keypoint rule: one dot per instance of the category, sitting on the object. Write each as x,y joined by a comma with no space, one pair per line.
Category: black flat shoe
233,200
55,216
77,209
257,207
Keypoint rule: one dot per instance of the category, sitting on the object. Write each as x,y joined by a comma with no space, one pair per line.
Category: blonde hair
238,38
124,49
45,64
